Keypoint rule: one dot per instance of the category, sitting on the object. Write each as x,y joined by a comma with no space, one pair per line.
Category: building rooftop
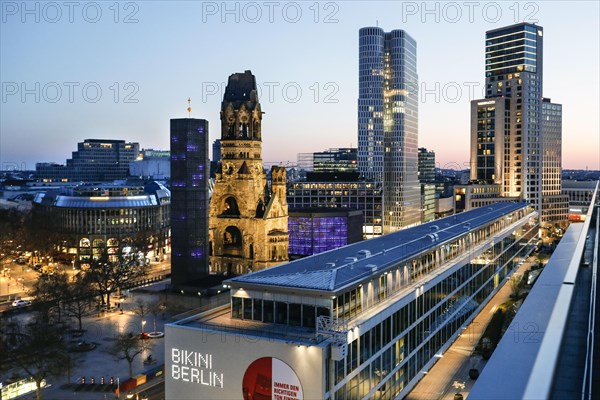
153,194
336,269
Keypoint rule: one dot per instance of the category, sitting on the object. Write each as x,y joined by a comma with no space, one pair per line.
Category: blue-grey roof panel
337,268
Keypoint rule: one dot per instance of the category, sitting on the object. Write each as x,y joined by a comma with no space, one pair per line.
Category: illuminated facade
555,205
342,160
387,122
468,197
515,133
248,219
94,160
358,195
426,166
189,211
360,322
318,230
112,219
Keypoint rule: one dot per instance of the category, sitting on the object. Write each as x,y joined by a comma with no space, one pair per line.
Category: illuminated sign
194,367
270,378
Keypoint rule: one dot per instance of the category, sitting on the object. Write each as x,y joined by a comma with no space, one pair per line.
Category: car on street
21,303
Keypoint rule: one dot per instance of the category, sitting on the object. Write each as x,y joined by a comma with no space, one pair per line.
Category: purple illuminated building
316,230
189,200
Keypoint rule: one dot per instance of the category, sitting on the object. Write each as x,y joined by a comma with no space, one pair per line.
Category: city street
16,280
101,330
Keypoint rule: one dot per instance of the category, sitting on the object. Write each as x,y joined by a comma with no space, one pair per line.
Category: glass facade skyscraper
508,135
387,122
506,142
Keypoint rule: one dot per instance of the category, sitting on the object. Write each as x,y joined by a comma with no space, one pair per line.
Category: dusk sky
148,57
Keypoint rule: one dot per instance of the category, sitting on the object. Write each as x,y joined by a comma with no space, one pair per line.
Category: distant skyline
146,70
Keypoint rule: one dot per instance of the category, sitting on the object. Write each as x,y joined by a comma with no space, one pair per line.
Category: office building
426,166
359,322
114,220
216,151
190,201
387,122
468,197
427,202
515,135
580,195
336,160
343,193
555,205
248,218
316,230
151,164
94,160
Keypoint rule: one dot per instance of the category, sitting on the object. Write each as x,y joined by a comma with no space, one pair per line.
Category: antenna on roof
189,109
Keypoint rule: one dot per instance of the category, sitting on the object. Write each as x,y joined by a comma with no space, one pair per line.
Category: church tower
248,219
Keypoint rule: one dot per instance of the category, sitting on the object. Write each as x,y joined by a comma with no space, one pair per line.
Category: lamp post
143,323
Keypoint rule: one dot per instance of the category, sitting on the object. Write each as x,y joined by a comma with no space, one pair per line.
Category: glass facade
332,160
396,319
364,196
319,231
508,137
382,361
387,122
189,199
94,160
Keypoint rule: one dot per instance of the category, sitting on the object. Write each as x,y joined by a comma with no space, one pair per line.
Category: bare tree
141,309
49,291
37,348
156,307
128,346
110,276
79,298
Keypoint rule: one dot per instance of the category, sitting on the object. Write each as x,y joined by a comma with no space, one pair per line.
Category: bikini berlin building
359,322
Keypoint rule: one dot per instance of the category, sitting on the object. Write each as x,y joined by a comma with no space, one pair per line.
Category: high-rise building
555,205
341,193
335,160
387,122
515,136
94,160
216,151
248,219
426,166
189,200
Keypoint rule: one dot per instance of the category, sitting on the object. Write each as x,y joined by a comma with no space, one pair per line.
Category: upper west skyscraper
387,122
514,138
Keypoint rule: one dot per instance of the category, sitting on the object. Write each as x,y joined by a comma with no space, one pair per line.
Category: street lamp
143,323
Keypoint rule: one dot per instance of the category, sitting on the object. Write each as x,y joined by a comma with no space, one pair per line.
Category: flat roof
219,320
333,270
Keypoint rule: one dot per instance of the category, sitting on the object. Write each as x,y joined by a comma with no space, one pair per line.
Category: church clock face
229,168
